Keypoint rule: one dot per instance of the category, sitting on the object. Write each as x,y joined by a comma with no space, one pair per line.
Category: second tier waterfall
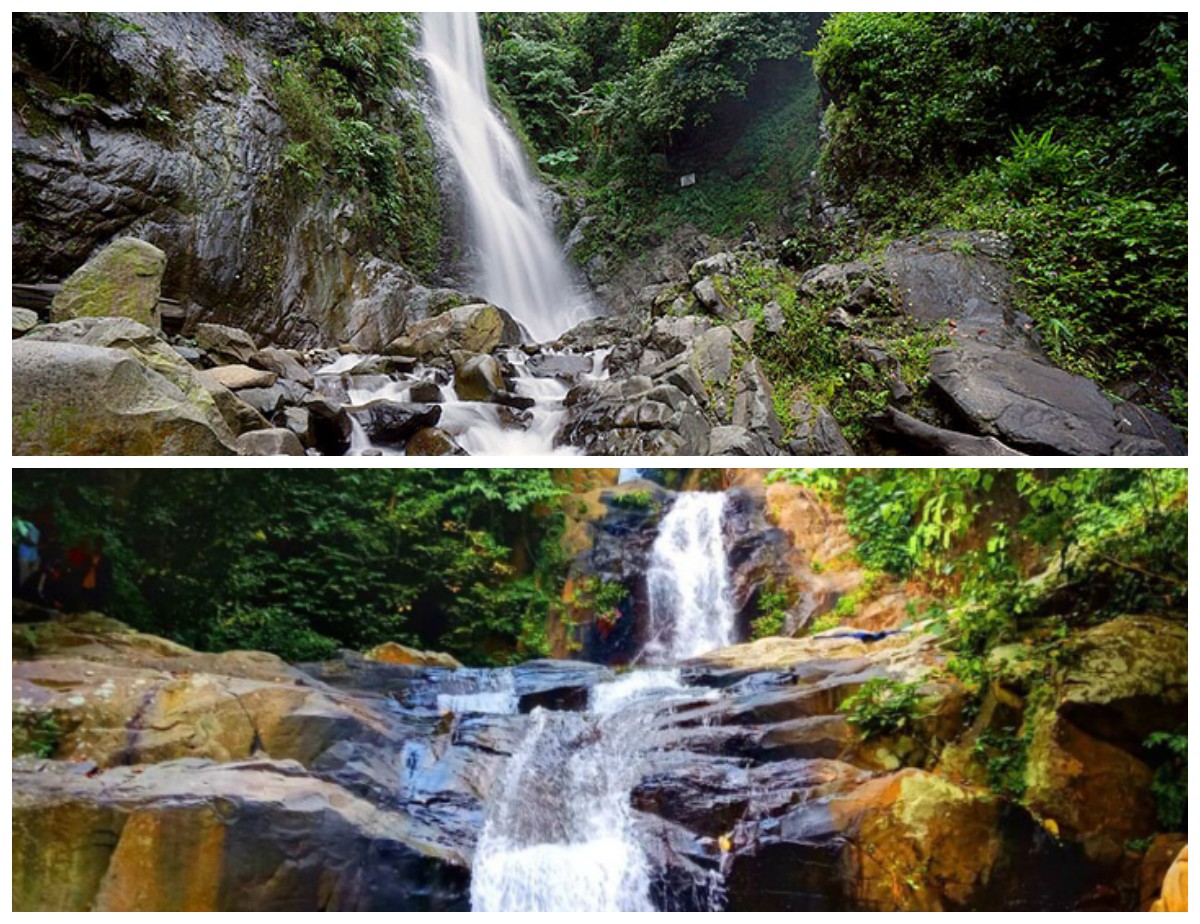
691,609
522,268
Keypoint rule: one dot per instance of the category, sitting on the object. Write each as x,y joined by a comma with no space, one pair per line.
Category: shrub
882,706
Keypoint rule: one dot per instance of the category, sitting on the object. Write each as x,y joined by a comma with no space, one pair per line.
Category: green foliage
1170,779
38,735
1004,755
882,706
300,563
634,500
772,604
339,93
1067,132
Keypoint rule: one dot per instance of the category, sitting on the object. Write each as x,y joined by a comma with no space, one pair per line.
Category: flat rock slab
237,377
1031,406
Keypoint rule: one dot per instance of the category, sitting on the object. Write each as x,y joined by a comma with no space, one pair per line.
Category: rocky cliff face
166,127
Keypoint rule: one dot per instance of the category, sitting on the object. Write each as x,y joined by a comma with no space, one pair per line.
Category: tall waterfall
522,266
691,607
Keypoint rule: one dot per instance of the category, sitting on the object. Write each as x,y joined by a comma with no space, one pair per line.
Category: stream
560,835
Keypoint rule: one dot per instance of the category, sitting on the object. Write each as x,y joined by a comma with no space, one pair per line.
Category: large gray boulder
73,399
470,328
1034,407
122,280
633,416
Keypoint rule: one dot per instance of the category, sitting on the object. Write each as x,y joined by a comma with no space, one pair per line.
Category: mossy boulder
123,280
395,653
73,399
470,328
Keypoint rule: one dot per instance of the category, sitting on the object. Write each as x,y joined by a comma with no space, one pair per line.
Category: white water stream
561,835
522,268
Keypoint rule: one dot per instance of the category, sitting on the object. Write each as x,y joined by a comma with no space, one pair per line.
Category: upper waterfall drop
523,269
690,584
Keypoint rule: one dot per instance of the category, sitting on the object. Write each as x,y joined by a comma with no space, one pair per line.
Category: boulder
237,377
395,653
276,441
471,328
477,378
70,399
754,406
633,416
816,432
392,424
432,441
284,364
1031,406
736,441
225,344
238,415
122,280
267,401
711,356
331,425
961,277
566,367
189,835
150,349
708,294
23,321
1175,886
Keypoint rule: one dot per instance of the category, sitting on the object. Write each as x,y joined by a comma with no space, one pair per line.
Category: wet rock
276,441
633,417
331,426
514,401
237,377
425,393
238,415
433,441
470,328
122,280
1031,406
392,423
224,344
71,399
478,378
23,321
556,685
566,367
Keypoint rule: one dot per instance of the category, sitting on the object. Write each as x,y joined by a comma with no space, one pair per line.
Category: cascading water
522,265
560,833
691,609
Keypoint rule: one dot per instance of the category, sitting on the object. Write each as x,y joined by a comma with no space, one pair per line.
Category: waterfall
689,582
560,836
522,266
560,833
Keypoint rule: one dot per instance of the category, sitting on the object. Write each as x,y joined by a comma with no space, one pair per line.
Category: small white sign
687,180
